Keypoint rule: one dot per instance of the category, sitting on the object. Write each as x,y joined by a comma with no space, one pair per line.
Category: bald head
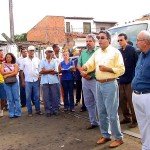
143,41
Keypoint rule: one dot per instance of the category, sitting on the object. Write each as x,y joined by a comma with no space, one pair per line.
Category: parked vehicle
131,29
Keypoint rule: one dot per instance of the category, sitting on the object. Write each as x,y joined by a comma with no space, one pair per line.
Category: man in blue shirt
49,81
130,58
141,88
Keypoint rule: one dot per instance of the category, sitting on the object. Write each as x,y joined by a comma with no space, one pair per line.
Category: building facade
62,30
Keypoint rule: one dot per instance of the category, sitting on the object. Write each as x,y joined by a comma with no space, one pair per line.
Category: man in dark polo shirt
130,58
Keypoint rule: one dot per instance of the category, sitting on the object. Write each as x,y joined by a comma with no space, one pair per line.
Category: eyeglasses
120,40
49,51
101,37
139,40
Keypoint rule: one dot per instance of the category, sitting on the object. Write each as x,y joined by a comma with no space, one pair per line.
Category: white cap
31,48
49,49
1,49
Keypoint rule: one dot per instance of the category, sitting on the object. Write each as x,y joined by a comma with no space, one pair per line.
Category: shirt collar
94,49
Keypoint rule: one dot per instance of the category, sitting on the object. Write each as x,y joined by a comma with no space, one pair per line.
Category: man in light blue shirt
49,82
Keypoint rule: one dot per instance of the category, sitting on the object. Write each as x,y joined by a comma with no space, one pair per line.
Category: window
86,27
68,27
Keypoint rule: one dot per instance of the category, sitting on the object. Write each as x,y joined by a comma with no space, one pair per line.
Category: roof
130,23
105,21
80,18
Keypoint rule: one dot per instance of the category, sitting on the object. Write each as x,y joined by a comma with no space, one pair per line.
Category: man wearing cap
49,82
30,67
2,90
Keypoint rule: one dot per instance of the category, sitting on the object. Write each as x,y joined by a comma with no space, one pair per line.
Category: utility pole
11,20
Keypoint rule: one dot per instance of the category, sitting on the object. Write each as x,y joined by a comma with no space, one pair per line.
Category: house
66,30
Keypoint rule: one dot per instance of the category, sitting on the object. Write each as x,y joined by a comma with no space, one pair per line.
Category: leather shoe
125,121
92,126
82,110
116,143
103,140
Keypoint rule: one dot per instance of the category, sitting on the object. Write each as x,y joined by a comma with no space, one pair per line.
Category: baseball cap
31,47
49,49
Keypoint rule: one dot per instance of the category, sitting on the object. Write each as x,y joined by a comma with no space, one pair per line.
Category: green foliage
21,38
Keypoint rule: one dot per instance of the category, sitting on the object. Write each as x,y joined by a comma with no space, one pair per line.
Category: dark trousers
125,96
68,94
79,92
50,97
22,94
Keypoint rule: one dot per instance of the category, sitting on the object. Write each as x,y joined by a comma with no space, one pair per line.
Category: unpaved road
64,132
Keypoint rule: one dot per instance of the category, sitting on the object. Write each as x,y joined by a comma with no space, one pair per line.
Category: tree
21,38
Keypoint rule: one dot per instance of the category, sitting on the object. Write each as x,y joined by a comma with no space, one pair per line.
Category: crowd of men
108,77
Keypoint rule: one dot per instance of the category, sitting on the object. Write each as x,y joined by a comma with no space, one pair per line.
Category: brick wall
50,29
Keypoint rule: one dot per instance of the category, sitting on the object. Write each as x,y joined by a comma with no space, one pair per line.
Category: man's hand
87,77
84,68
105,69
83,74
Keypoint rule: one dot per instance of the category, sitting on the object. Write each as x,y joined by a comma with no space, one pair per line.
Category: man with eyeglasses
108,65
141,88
130,58
49,81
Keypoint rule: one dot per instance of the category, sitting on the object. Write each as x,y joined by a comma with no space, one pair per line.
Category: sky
27,13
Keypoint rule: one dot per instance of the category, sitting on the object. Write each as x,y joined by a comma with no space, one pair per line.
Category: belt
136,92
105,80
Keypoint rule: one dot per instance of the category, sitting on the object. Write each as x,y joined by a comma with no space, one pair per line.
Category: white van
131,29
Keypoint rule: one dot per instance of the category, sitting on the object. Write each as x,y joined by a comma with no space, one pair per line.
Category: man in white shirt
58,57
30,68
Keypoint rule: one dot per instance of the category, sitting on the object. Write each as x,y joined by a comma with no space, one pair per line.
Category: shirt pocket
146,70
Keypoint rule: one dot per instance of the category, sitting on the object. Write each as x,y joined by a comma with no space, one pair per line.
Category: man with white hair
30,68
141,88
49,82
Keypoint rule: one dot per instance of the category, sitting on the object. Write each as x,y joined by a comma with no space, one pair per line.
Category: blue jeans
2,92
50,97
107,106
12,91
35,88
68,86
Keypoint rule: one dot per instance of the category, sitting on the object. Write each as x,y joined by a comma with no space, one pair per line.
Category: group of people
121,76
110,77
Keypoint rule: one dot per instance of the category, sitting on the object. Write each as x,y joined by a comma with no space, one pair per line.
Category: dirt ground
64,132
